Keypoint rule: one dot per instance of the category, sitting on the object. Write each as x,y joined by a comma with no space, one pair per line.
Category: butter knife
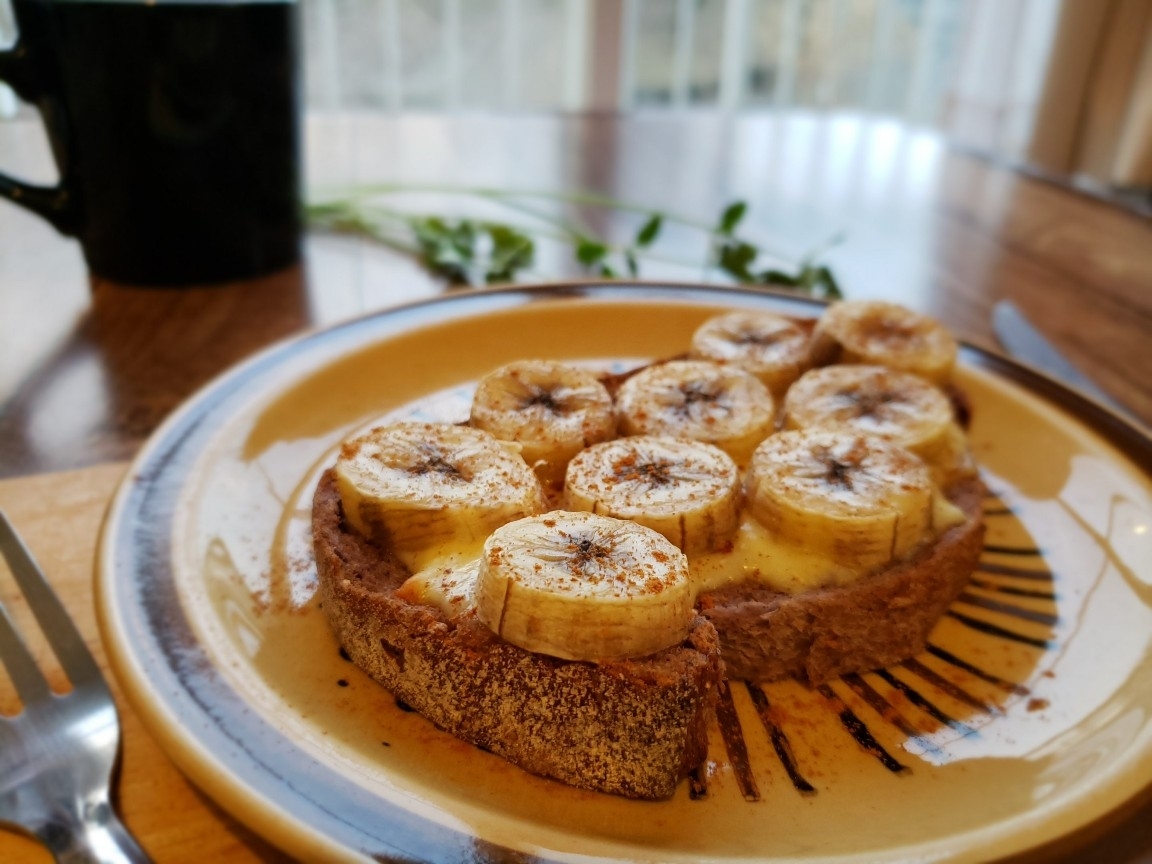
1023,341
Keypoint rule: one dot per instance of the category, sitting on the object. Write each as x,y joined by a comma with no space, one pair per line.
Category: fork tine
18,660
66,641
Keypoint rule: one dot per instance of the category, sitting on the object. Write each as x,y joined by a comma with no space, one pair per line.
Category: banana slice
584,587
416,485
897,406
884,334
770,346
698,399
551,410
687,490
449,588
856,499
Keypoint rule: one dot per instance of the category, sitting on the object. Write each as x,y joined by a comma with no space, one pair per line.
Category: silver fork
58,754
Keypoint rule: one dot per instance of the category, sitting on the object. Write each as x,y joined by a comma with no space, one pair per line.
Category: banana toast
636,726
630,727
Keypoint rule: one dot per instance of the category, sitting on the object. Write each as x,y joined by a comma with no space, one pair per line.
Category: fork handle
94,837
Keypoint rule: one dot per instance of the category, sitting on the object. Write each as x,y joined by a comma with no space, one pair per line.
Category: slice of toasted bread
827,632
634,727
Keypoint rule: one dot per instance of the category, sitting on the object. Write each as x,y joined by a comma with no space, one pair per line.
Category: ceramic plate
1026,719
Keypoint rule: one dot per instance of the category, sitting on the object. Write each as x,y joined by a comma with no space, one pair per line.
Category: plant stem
506,197
558,235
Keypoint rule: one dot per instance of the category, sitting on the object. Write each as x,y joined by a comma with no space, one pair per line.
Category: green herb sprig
468,251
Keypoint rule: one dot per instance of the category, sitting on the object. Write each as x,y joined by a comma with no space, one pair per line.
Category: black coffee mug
175,128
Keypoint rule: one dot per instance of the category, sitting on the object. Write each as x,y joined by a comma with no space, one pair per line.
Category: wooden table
88,369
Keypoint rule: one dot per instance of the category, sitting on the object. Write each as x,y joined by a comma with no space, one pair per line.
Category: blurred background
922,147
1059,87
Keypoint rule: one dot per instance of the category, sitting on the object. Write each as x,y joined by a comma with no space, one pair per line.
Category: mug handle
53,203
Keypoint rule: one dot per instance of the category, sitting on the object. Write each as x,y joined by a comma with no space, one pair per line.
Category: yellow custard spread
445,576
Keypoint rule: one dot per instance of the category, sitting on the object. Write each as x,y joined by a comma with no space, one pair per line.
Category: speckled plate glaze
1026,720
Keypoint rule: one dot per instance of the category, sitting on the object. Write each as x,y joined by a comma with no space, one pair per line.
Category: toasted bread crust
828,632
633,728
638,727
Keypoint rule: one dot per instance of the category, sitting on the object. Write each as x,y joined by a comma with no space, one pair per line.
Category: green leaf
512,251
607,272
735,258
829,287
590,252
649,231
448,249
731,217
778,277
815,281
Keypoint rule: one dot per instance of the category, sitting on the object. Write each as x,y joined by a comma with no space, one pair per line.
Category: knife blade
1022,340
